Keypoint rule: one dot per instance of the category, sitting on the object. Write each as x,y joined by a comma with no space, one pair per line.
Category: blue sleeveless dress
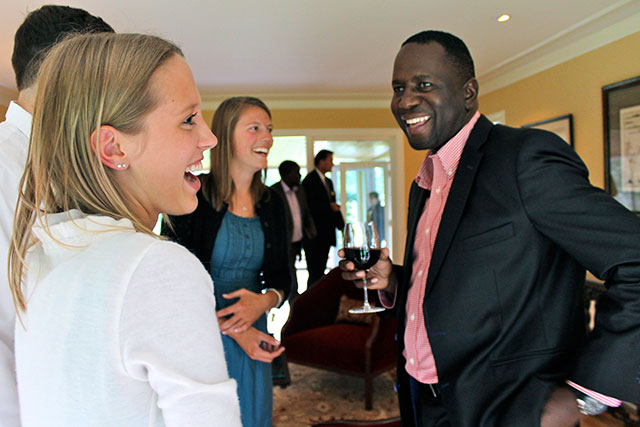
237,256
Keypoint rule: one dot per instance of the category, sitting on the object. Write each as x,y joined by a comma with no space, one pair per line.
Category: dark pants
428,410
317,253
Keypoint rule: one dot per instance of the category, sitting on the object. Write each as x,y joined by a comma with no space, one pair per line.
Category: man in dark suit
326,215
299,221
375,214
502,224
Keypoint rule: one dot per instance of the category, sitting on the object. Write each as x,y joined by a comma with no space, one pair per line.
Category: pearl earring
121,166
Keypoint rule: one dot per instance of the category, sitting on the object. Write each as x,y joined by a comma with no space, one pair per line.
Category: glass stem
366,296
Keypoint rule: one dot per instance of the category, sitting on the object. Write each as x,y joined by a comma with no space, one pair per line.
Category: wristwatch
588,405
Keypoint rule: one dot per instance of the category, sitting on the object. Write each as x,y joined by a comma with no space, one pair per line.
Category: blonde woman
239,233
118,326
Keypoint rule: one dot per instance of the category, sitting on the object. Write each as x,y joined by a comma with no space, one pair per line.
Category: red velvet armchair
363,347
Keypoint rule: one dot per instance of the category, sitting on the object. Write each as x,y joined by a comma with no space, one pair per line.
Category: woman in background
118,326
239,233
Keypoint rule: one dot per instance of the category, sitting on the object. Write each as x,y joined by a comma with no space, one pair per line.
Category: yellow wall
328,119
3,110
572,87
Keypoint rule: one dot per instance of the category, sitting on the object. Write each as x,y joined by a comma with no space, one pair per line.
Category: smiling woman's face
252,139
171,142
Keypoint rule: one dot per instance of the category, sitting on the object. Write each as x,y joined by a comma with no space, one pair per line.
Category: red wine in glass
362,247
362,258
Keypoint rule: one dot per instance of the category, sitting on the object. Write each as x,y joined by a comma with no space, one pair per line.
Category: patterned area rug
316,395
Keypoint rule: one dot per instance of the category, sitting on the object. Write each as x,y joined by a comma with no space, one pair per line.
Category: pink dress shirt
436,174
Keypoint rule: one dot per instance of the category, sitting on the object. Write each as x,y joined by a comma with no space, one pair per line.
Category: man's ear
471,93
105,142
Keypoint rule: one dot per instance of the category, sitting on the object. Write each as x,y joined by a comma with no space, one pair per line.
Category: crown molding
613,23
299,101
7,95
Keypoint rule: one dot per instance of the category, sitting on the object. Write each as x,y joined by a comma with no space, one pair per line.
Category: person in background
117,326
502,224
299,221
375,213
40,30
326,215
239,233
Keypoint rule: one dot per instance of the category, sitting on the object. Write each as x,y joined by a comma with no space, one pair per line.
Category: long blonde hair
86,81
218,186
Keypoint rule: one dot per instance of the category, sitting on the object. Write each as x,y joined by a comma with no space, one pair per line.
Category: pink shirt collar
449,155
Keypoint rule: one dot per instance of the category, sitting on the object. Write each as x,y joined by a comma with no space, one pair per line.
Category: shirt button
419,275
449,172
412,317
427,231
437,190
413,362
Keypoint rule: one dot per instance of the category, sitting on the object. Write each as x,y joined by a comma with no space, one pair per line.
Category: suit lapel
321,188
417,198
457,200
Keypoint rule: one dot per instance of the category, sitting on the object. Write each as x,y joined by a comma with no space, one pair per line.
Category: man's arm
604,237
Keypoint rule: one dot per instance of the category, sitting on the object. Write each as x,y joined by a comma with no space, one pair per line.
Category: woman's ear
105,142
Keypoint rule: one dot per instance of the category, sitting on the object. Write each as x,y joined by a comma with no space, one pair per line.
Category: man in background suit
502,224
299,221
40,30
375,214
326,215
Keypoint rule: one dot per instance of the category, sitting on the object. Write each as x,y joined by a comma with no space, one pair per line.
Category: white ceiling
332,51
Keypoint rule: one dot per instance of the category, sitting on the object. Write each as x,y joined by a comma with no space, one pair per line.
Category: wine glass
362,248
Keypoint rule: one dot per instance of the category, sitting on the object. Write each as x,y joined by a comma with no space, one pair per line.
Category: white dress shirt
296,213
14,143
120,330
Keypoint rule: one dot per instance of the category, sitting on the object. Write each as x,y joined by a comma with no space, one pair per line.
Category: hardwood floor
603,420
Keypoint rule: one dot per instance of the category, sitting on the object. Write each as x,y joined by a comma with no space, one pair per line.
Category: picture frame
621,121
560,125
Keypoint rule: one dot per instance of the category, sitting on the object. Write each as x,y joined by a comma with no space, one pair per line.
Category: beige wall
6,95
572,87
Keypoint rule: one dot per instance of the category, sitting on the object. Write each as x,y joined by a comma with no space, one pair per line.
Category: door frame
395,138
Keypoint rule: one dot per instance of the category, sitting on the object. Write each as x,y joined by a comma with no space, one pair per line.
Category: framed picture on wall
561,126
621,119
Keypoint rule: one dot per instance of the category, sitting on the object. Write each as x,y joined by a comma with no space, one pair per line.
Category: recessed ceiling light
504,17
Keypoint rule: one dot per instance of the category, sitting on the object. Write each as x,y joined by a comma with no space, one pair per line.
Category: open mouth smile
416,124
189,173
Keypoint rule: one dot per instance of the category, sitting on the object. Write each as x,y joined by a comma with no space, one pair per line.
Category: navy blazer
319,201
504,295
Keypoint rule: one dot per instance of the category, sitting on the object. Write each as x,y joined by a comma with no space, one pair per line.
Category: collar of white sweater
75,228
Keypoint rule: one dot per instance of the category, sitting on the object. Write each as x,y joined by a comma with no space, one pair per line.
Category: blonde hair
218,186
86,81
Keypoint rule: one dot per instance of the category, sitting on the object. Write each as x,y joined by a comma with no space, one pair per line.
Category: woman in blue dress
238,232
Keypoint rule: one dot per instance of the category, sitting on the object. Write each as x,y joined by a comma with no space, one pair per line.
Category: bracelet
277,293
